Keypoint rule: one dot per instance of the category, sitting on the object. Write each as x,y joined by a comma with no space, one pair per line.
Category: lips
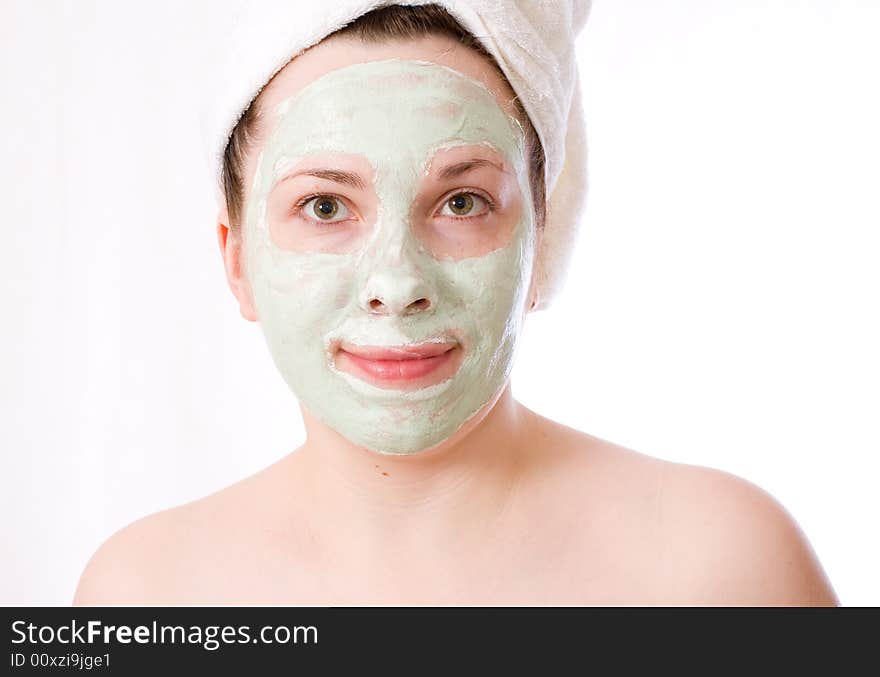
416,365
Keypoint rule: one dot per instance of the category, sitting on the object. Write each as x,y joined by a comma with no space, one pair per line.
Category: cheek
488,292
301,294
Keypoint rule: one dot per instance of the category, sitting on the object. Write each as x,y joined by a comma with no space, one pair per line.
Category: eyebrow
460,168
335,175
355,181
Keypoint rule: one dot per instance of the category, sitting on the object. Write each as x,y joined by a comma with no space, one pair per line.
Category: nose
396,291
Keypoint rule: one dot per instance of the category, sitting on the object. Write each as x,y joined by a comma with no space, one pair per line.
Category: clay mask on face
376,280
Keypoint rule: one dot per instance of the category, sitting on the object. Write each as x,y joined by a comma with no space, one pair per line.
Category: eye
465,204
325,208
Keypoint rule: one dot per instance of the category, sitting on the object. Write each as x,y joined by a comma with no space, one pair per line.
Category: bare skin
512,509
559,517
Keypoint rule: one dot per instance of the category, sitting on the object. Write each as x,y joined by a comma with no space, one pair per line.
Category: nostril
376,305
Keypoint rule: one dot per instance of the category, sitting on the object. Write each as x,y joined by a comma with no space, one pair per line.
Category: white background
722,307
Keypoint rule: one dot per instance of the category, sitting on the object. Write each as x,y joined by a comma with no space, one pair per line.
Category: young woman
384,211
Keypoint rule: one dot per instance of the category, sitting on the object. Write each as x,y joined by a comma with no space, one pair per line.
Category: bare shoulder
703,536
730,542
128,566
165,557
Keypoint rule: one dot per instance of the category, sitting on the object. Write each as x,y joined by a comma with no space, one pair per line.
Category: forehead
391,110
339,51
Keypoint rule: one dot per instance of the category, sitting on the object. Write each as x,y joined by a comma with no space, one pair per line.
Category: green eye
461,204
467,205
325,208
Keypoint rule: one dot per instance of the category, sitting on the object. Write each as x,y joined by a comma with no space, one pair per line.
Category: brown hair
392,22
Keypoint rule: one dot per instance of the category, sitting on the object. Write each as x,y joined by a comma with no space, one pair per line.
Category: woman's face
389,237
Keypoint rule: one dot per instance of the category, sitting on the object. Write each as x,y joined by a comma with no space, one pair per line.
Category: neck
455,489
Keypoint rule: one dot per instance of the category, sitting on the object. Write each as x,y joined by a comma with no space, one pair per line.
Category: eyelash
490,203
298,207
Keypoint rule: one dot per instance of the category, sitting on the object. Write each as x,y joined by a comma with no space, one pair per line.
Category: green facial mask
397,115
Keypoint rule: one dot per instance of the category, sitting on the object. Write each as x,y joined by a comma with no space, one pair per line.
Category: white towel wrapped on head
533,42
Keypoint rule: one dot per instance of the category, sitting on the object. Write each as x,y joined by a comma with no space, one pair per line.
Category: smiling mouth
404,367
